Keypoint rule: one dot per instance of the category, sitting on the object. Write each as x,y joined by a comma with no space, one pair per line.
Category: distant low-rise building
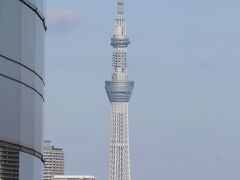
65,177
54,161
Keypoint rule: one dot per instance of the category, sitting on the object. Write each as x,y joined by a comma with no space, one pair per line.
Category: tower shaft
119,91
119,165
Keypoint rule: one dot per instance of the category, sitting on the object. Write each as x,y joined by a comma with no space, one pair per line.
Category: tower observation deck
119,91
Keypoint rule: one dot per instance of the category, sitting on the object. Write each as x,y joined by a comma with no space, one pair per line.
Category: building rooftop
73,177
47,145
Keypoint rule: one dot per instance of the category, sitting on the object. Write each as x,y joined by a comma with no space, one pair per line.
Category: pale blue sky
184,115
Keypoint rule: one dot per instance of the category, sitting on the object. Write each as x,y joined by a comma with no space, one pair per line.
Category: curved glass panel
22,85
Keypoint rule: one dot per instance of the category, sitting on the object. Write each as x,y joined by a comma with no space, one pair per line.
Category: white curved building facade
22,36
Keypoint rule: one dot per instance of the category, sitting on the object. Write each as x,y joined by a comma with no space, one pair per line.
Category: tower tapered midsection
119,92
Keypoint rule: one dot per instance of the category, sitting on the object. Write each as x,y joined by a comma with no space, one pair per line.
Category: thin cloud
62,21
218,63
207,63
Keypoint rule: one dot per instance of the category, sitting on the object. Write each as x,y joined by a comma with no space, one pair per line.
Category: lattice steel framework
119,91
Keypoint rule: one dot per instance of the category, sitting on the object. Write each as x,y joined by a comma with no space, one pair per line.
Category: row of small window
120,92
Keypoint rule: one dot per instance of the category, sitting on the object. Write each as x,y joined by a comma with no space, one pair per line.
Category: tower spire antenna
120,7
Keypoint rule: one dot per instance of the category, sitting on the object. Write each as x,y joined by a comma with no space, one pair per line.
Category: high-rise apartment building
119,91
67,177
22,34
54,161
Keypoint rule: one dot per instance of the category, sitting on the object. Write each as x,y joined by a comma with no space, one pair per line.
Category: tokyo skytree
119,91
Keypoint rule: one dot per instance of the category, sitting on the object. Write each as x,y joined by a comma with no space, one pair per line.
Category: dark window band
35,9
24,85
22,149
14,61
